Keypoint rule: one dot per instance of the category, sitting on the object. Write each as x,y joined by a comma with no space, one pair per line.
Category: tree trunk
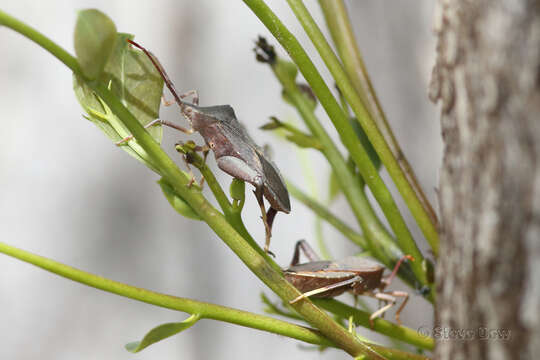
487,77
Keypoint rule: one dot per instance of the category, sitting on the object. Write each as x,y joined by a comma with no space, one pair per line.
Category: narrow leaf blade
162,332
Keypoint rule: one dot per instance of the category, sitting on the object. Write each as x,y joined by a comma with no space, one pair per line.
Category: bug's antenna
162,72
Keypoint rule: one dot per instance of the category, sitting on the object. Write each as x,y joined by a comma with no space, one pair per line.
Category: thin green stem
382,326
258,264
323,213
233,217
206,310
337,20
415,205
345,130
380,243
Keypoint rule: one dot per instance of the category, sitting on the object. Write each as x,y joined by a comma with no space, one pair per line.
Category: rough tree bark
487,77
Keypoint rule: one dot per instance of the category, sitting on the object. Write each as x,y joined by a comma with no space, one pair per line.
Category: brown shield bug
325,279
235,152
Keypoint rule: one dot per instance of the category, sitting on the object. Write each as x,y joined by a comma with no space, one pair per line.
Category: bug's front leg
194,99
187,150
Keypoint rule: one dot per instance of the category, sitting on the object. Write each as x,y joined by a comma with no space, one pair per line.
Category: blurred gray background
69,194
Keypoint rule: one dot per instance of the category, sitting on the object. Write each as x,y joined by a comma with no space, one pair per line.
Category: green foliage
130,75
120,90
95,35
238,193
176,201
162,332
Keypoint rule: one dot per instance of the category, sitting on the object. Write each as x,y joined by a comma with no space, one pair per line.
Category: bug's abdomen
307,283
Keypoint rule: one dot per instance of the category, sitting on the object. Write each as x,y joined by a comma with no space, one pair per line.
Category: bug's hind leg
267,226
390,299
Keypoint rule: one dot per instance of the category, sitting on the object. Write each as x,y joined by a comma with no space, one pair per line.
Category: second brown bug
326,279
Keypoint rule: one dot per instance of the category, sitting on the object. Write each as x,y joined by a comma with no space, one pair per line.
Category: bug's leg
404,295
191,174
270,215
303,245
326,288
161,122
259,195
187,151
388,279
390,301
194,93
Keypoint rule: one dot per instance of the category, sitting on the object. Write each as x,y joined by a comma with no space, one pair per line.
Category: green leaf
95,35
162,332
288,67
304,141
131,76
238,190
179,204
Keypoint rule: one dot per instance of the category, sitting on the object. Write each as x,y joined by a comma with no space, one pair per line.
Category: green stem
345,130
380,243
206,310
337,20
382,326
217,222
422,217
234,218
326,215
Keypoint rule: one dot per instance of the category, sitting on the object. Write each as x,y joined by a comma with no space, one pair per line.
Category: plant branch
206,310
382,326
258,264
337,20
203,309
380,243
346,132
422,216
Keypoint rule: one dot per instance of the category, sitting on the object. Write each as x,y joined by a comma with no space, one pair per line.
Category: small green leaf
179,204
271,126
288,67
131,76
238,190
274,123
304,141
95,34
162,332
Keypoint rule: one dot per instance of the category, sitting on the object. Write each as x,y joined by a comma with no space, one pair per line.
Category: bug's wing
239,169
354,263
275,189
312,266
